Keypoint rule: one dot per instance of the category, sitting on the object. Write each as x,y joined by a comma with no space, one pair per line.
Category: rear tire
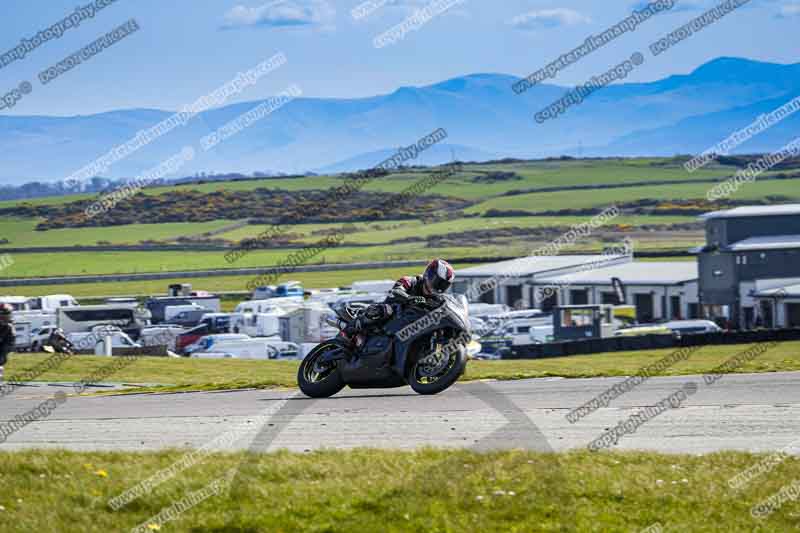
317,384
444,382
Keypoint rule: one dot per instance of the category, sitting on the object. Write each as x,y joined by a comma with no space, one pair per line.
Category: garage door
644,308
793,315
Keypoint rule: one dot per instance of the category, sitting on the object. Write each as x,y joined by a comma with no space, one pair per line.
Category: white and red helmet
439,276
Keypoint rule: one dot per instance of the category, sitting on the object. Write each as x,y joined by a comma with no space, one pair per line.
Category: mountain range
484,118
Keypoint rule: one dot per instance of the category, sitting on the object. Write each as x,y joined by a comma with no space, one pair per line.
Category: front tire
421,382
319,380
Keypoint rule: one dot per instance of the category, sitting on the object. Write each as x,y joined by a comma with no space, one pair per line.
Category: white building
666,290
659,290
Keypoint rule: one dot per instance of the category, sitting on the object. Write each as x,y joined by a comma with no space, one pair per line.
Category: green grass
199,374
535,175
384,232
395,491
541,202
313,280
89,263
21,233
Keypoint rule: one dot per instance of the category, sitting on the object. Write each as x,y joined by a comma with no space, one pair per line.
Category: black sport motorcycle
423,345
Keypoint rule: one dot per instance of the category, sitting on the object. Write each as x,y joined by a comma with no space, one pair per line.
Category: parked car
40,336
684,327
638,331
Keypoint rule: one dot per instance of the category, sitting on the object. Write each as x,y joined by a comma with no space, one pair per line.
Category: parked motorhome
257,324
17,303
84,318
269,305
53,302
383,286
39,304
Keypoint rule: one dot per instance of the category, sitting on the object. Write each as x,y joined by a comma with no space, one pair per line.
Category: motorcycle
409,349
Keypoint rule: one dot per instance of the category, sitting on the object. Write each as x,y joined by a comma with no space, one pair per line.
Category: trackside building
659,290
750,266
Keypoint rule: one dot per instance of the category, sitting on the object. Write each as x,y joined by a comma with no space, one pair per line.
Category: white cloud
789,11
281,13
548,18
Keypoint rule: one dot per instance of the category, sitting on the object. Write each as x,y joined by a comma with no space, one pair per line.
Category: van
285,290
161,336
242,347
529,331
94,340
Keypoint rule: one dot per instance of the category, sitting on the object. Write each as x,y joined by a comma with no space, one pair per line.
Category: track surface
755,412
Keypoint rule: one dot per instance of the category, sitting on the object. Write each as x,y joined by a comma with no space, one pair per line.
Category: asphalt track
754,412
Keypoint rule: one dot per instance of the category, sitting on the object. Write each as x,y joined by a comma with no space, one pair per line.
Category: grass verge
374,490
199,374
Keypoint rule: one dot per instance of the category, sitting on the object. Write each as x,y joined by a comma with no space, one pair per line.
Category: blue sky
186,48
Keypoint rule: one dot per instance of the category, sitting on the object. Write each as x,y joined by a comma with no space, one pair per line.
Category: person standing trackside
6,335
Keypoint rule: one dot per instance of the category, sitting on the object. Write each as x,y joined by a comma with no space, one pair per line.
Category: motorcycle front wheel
432,376
319,380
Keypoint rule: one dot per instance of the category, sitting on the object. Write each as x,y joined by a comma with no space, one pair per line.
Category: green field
384,232
553,201
368,490
200,374
489,237
81,263
535,174
21,233
312,280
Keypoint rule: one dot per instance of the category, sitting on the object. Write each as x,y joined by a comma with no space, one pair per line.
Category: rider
435,280
6,335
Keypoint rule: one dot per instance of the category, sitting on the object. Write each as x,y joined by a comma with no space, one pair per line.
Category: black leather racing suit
405,288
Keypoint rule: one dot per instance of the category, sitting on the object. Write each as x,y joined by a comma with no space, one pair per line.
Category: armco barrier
651,342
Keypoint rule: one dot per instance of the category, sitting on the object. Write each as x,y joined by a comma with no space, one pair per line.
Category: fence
650,342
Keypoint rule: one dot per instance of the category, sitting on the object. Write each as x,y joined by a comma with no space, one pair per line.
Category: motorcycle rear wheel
456,366
319,381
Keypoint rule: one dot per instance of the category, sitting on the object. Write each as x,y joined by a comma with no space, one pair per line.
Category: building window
579,297
609,298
